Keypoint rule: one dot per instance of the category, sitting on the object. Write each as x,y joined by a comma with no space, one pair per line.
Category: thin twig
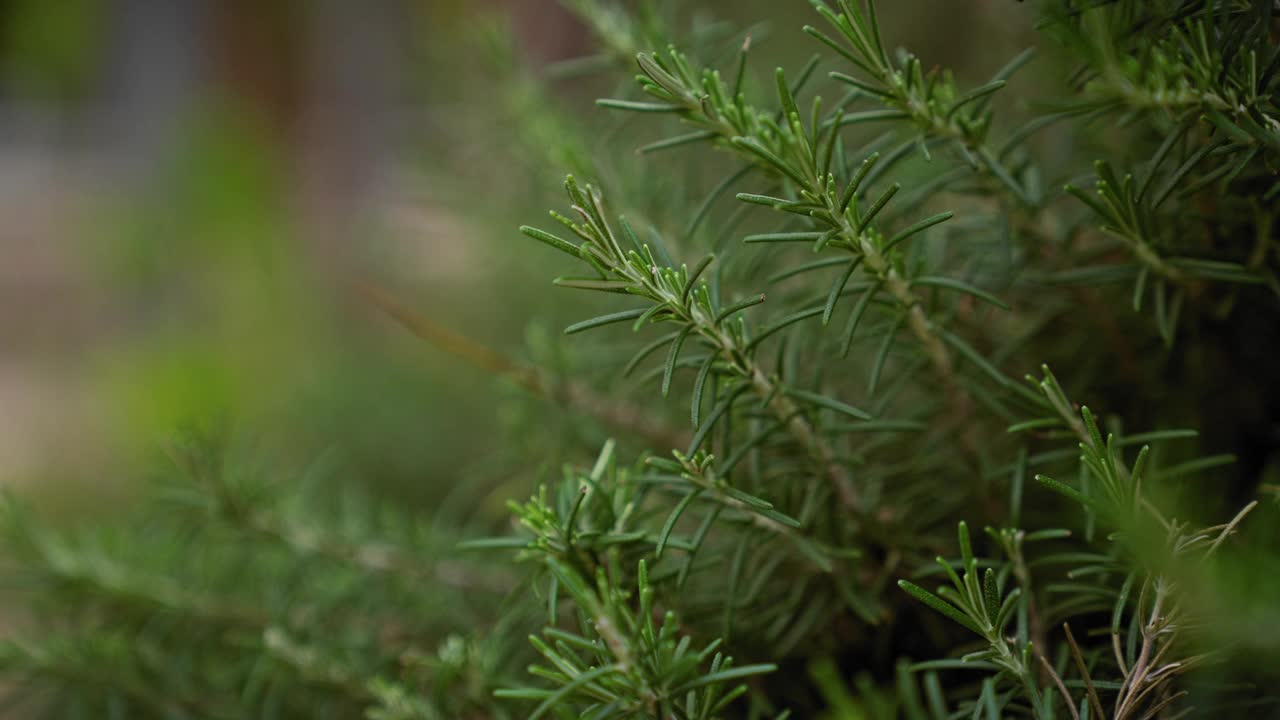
1094,702
574,395
1062,687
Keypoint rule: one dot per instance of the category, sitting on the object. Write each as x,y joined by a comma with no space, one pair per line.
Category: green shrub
837,323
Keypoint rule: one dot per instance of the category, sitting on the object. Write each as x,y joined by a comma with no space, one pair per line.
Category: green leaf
1013,66
1095,275
677,141
765,200
633,106
651,66
672,519
571,687
699,537
838,287
940,605
916,228
1007,609
1037,424
856,317
646,351
879,426
783,237
724,675
1217,270
842,50
705,208
806,73
521,693
1156,436
784,95
603,460
1122,599
1016,487
873,33
933,692
912,708
872,116
602,320
1162,152
1066,490
751,443
877,206
1003,175
966,547
716,413
770,159
806,267
1197,465
649,316
784,519
743,304
882,355
828,403
986,703
953,664
1176,176
1140,287
977,93
861,85
832,139
672,357
699,385
593,284
694,275
974,357
990,595
958,285
496,543
556,242
1230,129
1091,424
1049,534
784,322
856,182
1093,202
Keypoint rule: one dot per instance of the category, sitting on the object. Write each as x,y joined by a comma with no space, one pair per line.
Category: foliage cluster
839,306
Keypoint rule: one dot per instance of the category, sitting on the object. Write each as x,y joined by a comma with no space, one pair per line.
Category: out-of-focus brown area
100,100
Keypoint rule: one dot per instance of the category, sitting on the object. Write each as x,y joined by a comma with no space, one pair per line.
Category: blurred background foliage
193,189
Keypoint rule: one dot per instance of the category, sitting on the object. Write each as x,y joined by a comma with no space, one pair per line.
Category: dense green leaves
820,464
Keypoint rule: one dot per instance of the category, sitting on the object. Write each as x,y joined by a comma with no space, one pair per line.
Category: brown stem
1095,704
921,327
378,558
1126,699
807,436
1035,624
573,395
1062,687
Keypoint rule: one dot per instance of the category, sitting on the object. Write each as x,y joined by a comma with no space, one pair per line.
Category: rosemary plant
807,326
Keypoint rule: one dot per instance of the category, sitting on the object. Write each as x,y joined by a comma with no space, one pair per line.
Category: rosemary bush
814,361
